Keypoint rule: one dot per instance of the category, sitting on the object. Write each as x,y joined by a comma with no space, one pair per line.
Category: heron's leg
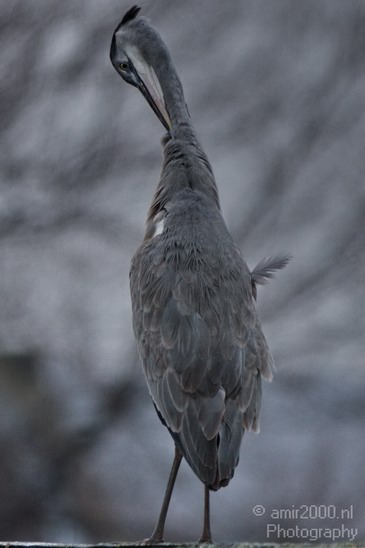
206,535
157,535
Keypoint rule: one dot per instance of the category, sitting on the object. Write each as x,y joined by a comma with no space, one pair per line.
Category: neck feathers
185,163
185,166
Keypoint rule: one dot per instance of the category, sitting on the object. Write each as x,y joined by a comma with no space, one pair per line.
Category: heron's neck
175,104
185,163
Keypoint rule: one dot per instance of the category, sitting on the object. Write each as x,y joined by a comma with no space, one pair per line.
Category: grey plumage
199,338
265,270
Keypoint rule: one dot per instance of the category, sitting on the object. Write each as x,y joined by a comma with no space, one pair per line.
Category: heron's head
135,51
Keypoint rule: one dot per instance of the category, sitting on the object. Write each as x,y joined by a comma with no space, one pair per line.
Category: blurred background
276,93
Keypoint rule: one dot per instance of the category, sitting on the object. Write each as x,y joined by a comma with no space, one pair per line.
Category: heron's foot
205,539
154,539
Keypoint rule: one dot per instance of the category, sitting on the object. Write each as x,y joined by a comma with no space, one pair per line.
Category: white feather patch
159,225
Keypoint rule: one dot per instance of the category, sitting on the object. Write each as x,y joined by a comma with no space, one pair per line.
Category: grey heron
193,297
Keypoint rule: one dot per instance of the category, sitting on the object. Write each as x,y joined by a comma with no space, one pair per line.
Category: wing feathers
202,349
210,412
186,338
251,419
165,403
200,453
230,434
178,396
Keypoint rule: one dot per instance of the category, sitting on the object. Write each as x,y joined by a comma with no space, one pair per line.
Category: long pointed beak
146,81
153,98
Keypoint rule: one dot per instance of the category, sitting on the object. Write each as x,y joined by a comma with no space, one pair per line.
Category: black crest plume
130,15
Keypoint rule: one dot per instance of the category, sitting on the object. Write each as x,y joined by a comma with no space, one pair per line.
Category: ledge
185,545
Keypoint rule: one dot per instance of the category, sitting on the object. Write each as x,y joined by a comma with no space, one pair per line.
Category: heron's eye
123,66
